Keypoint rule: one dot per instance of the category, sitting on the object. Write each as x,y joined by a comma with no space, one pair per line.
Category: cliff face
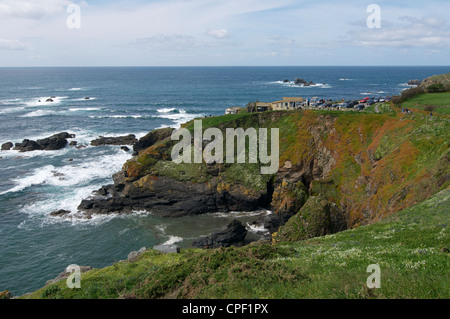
366,165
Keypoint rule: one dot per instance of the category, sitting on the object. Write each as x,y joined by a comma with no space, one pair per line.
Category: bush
412,92
436,88
51,292
430,108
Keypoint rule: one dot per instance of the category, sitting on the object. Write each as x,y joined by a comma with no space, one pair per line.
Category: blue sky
226,32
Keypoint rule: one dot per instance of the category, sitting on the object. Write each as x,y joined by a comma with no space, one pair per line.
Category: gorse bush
436,88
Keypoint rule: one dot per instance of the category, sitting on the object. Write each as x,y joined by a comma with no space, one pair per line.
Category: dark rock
119,140
73,143
124,148
303,82
286,81
7,146
60,213
233,235
151,138
105,190
87,98
49,100
27,146
52,143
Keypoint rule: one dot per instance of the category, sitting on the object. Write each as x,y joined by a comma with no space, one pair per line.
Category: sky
223,33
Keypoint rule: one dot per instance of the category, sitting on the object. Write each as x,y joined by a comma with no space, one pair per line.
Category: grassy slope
440,100
409,248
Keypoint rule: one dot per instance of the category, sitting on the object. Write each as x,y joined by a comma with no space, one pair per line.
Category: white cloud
168,41
32,9
218,33
13,45
427,32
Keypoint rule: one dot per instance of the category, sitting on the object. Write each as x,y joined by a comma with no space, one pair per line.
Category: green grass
411,248
440,100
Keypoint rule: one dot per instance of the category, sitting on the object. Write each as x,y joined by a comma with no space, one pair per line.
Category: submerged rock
233,235
60,213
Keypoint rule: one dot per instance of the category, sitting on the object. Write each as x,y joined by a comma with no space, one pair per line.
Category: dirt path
376,108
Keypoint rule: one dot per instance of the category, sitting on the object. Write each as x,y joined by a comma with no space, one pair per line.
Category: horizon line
211,66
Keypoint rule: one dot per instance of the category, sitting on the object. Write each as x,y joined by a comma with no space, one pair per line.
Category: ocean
36,247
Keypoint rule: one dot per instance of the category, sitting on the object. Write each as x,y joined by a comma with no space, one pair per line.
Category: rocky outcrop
116,140
7,146
318,217
52,143
302,82
414,82
167,248
233,235
442,80
151,138
133,256
288,197
164,196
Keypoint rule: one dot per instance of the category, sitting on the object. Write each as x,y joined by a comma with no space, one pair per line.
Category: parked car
352,104
359,107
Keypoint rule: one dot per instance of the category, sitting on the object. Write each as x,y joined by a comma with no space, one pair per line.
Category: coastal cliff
366,165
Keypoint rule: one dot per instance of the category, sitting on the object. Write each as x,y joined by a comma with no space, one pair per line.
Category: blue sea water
35,247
